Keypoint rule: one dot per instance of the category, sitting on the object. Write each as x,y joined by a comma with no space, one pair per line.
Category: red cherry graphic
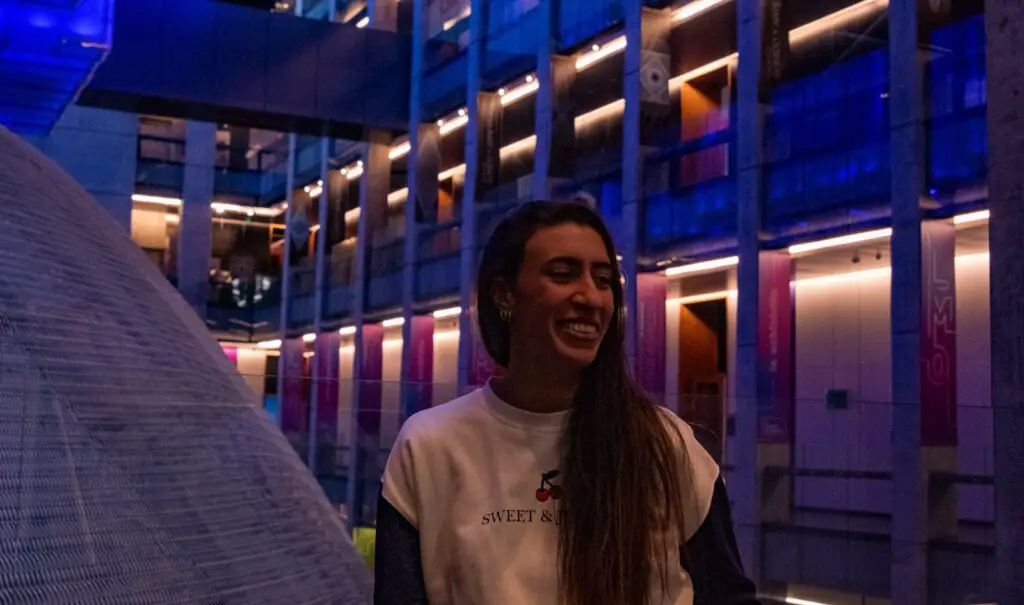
556,492
542,495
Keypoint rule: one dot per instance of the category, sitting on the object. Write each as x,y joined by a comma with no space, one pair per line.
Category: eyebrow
572,260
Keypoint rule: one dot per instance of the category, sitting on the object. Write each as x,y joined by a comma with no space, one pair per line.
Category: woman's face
562,302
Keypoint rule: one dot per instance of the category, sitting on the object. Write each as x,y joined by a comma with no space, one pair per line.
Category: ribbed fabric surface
135,464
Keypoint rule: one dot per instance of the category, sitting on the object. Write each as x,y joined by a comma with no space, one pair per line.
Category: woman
559,482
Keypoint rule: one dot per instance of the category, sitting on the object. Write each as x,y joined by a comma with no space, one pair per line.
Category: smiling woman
517,492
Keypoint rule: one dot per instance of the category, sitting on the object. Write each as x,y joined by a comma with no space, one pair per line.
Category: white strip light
700,298
269,344
606,111
971,217
796,601
519,146
354,172
347,331
519,92
694,9
601,53
452,172
399,150
363,22
836,20
449,312
679,80
394,322
701,267
449,126
156,199
843,240
309,337
399,196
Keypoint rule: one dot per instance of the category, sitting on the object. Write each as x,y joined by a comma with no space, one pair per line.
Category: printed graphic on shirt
548,489
548,492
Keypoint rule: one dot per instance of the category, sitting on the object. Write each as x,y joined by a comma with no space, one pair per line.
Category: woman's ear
501,294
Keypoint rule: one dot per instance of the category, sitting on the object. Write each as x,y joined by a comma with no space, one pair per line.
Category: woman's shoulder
698,462
440,420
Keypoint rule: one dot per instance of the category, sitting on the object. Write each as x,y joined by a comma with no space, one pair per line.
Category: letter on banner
651,293
775,50
775,377
488,141
938,334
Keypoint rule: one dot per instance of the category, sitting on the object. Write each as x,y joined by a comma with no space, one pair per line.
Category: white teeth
581,328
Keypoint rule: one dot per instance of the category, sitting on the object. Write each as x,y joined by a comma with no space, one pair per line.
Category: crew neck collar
511,415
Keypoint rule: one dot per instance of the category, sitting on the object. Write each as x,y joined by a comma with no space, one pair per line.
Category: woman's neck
537,390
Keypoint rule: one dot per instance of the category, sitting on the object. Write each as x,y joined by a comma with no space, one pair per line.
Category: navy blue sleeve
398,569
712,559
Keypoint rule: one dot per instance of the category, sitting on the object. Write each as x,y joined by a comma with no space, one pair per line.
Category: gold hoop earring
505,314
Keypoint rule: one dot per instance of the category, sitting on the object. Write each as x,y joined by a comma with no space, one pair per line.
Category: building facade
818,208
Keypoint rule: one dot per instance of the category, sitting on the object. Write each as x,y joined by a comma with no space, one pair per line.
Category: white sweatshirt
479,481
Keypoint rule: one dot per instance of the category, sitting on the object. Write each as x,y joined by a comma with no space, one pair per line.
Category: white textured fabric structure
135,465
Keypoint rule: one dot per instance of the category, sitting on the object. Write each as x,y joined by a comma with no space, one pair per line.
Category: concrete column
645,83
195,230
1004,30
468,257
423,167
554,121
319,292
374,185
745,489
909,474
286,257
326,370
99,148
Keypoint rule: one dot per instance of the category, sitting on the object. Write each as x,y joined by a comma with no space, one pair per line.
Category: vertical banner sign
428,164
488,141
370,375
655,66
775,52
563,119
420,376
327,361
775,369
938,334
651,293
232,353
291,372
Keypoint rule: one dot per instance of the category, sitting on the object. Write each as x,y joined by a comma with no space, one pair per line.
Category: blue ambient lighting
48,51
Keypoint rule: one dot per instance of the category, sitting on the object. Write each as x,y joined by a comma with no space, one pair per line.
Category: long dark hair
621,471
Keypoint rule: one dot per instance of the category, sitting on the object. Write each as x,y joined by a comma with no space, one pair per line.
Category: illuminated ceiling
48,51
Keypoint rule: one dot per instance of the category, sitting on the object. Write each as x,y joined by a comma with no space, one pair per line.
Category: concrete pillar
647,107
745,489
374,186
423,167
319,294
554,121
1004,30
286,257
909,547
99,148
468,257
195,230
